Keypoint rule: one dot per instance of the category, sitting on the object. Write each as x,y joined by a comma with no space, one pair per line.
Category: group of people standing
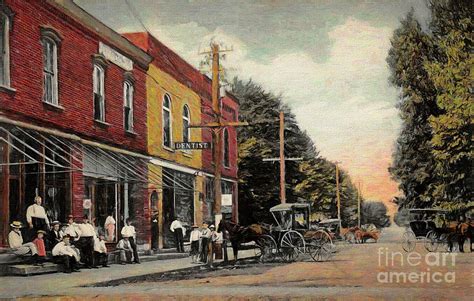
74,244
202,241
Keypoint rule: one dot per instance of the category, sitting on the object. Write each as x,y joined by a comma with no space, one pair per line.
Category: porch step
163,256
29,270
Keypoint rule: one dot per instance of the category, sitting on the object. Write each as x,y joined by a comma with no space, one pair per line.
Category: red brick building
72,117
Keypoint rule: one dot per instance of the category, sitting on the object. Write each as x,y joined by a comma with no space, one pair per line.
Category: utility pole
282,159
338,196
216,132
358,205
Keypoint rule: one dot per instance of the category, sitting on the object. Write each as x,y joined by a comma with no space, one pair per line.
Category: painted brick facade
75,68
80,36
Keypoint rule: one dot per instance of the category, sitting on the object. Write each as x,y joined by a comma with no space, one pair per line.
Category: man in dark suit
54,236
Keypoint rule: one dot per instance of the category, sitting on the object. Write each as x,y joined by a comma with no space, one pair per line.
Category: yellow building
173,102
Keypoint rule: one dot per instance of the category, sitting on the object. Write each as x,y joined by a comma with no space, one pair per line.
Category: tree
374,213
313,179
450,71
413,161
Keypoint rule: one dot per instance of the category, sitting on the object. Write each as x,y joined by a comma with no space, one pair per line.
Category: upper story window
4,50
167,137
128,105
186,124
50,41
99,93
226,148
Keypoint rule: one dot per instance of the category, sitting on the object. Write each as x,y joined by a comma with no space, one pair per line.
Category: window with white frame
128,105
50,69
4,50
186,124
99,95
167,131
226,148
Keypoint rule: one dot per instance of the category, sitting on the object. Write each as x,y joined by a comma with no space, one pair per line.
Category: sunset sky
326,57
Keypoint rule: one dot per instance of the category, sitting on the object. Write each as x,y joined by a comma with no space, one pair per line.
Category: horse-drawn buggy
291,238
436,228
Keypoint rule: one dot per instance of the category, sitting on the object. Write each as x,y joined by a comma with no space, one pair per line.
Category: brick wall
75,68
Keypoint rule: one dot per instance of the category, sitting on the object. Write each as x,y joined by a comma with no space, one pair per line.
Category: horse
362,236
349,233
459,234
239,234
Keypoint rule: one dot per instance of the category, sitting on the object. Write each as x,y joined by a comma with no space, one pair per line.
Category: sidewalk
70,284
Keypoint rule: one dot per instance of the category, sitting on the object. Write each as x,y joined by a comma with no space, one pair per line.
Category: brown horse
239,234
459,233
362,236
349,233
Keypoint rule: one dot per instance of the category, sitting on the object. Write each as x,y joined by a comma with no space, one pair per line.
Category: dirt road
372,271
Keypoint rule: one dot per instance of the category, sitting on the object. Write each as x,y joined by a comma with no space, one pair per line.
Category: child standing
40,246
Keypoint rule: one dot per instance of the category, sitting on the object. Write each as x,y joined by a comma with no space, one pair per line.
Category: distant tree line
432,67
312,179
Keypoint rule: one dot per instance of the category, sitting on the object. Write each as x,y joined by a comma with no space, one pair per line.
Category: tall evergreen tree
413,161
451,72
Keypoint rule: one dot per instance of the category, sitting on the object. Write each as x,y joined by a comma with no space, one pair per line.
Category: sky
326,57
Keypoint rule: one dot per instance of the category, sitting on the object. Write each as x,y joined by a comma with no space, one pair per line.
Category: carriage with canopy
294,235
423,228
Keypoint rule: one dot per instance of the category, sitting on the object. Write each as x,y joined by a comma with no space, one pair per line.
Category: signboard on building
227,200
115,57
192,145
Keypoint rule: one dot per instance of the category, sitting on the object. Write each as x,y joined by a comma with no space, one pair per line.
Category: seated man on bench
15,241
65,254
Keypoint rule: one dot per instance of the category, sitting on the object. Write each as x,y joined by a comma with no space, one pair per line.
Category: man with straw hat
15,241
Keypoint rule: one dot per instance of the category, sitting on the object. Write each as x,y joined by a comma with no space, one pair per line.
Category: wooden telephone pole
338,196
217,125
358,205
282,159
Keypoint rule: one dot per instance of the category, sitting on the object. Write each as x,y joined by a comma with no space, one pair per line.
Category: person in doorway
36,217
40,246
129,231
178,230
65,254
100,251
154,231
109,226
15,241
125,251
194,238
54,236
205,238
86,242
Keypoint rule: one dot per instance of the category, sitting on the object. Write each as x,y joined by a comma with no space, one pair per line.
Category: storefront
72,178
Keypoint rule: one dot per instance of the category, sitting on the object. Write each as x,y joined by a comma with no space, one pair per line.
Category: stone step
29,270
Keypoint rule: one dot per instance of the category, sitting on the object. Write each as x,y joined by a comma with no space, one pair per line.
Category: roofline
71,9
232,96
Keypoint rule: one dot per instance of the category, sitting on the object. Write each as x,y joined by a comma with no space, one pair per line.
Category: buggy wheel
321,252
292,245
267,248
432,241
408,241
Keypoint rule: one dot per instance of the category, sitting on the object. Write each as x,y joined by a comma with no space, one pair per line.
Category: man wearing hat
64,253
205,237
194,238
36,216
86,242
15,241
55,235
